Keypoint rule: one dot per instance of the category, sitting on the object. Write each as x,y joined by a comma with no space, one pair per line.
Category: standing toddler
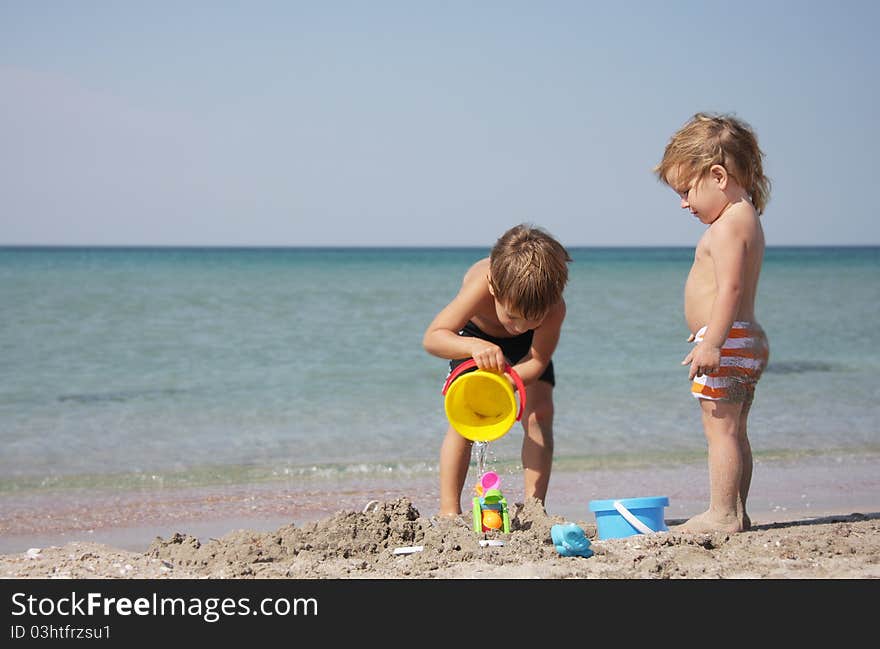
715,165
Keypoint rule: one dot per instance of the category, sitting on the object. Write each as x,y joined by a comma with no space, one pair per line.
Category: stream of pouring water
479,454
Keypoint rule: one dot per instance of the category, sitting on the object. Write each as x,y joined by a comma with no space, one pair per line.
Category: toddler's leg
537,448
729,466
746,451
455,456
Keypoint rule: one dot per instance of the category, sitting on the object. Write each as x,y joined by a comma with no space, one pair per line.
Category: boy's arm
441,337
727,248
544,342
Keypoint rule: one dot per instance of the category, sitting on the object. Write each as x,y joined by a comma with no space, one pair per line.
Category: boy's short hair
528,270
717,139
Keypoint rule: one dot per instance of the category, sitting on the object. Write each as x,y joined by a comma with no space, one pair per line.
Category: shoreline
782,491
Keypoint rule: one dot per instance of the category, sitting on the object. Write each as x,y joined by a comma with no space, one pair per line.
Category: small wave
216,475
324,477
122,395
799,367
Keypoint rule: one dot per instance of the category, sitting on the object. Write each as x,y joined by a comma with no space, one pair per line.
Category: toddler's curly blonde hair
717,139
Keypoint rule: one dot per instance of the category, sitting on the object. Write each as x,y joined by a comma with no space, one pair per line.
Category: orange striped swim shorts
744,356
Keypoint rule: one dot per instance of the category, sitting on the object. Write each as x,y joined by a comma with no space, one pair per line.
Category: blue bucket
617,519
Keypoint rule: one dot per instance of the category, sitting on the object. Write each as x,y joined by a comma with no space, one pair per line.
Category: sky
422,123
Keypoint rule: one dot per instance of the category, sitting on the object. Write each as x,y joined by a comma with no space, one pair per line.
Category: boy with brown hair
509,309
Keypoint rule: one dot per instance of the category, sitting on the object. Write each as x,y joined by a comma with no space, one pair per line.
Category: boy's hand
488,356
703,359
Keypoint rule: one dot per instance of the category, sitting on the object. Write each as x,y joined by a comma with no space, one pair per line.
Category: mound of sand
362,545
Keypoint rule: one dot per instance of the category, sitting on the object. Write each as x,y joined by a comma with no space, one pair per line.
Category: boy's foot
446,521
706,523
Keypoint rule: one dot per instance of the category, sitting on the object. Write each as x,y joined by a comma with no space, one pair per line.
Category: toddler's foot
708,522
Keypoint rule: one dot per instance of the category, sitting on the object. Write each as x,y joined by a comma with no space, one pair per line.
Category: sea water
131,367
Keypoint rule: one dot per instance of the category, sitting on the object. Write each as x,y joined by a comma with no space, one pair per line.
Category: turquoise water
197,366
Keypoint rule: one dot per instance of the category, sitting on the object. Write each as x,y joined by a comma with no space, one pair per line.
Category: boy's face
509,316
511,319
703,196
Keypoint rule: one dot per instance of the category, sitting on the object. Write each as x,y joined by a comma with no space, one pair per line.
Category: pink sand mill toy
490,506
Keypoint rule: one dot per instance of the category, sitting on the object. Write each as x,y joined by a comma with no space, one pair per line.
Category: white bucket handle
631,518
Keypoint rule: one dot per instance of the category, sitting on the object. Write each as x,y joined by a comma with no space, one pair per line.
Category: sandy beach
811,520
361,545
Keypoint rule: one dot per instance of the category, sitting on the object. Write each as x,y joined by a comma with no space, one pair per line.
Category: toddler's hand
488,356
703,359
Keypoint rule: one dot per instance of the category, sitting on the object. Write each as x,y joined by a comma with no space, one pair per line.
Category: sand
352,544
815,518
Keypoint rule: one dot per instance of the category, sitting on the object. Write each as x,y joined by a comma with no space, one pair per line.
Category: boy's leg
537,448
727,469
455,456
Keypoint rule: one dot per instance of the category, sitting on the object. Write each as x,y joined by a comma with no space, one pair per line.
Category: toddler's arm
727,248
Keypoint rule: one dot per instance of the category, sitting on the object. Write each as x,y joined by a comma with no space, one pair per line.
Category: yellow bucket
480,405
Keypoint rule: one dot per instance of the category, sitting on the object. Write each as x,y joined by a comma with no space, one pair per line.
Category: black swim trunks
514,349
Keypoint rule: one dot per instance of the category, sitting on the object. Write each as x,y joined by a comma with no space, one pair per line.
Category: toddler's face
702,196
